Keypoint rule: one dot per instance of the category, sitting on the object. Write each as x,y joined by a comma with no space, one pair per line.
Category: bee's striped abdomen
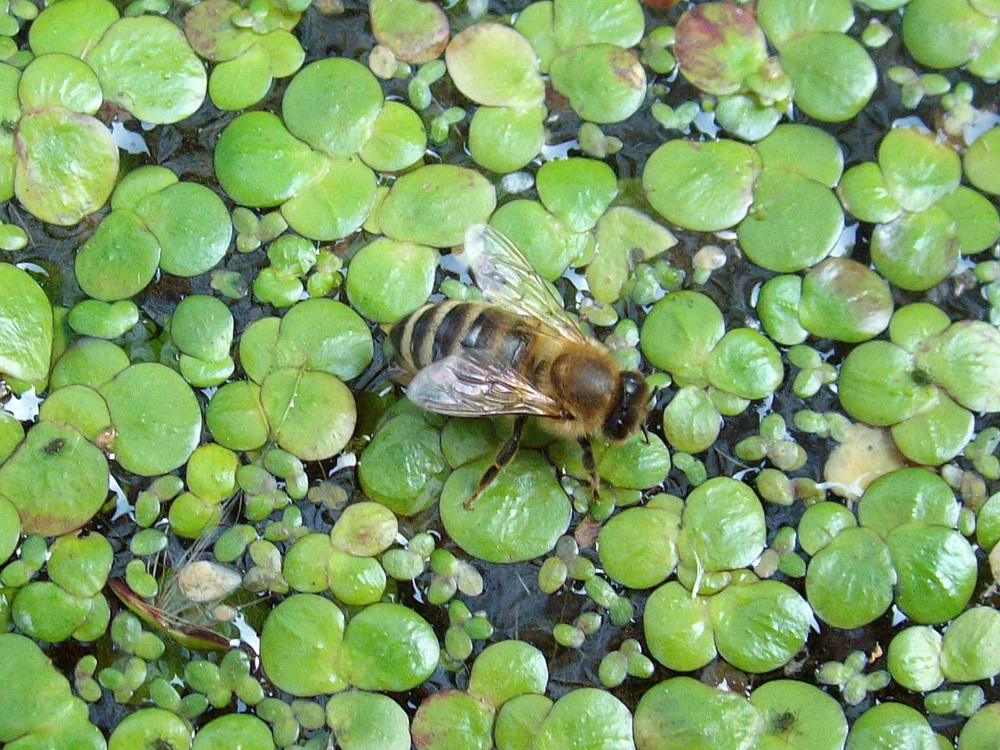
441,329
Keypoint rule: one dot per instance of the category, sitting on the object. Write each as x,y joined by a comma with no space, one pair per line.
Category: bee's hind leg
590,466
504,457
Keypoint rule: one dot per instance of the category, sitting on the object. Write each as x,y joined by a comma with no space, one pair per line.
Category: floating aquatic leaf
518,517
604,83
67,164
833,75
58,80
435,204
72,28
452,717
718,46
406,645
56,479
25,326
156,418
416,32
259,163
682,709
366,721
701,186
146,65
332,105
504,139
494,65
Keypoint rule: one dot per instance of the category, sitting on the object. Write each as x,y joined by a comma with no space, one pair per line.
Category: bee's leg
504,457
591,467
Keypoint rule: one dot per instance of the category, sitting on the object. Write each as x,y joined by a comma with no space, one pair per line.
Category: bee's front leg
590,466
504,457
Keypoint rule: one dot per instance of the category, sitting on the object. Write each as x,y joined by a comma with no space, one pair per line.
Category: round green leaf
918,169
67,165
415,31
864,193
844,300
722,526
914,658
506,669
910,495
235,730
300,646
405,645
58,80
334,206
242,82
963,360
72,28
586,717
398,139
691,421
389,279
312,414
504,139
259,163
778,310
452,718
579,22
678,628
746,364
494,65
891,726
879,384
981,728
604,83
191,224
800,715
970,650
435,205
982,162
784,20
149,726
680,333
945,33
804,150
774,236
56,480
682,712
577,190
977,223
718,46
937,435
119,259
25,326
542,237
518,517
156,417
849,582
324,335
367,721
936,570
701,186
332,105
833,75
146,65
759,626
638,547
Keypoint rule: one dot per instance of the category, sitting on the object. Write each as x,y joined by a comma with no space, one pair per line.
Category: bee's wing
507,279
464,385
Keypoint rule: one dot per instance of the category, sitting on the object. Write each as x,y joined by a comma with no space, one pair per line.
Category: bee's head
630,404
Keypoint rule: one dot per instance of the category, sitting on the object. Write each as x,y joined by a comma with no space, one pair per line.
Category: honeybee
517,353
